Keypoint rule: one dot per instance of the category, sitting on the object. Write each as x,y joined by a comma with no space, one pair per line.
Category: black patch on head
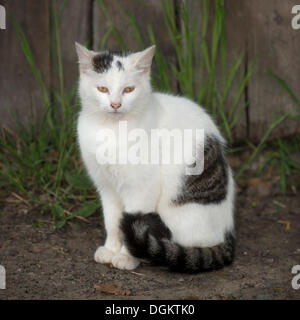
120,65
102,61
211,185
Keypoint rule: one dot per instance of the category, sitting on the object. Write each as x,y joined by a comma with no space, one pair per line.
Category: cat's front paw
104,255
125,262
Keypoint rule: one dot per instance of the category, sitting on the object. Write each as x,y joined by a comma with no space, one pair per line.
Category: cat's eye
128,89
102,89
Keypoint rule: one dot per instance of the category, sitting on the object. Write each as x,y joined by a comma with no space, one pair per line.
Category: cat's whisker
90,114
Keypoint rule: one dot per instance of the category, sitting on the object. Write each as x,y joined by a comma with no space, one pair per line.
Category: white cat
155,212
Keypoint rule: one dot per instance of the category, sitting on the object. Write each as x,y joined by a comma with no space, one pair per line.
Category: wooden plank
275,46
18,89
75,25
263,30
236,28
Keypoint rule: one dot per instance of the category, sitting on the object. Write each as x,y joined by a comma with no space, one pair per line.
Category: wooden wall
261,28
18,89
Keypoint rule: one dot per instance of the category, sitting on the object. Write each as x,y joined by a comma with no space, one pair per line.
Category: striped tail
147,237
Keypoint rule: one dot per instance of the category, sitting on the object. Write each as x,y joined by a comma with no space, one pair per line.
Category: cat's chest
107,147
95,138
107,151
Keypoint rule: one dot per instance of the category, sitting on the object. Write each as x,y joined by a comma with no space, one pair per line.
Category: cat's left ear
142,60
84,57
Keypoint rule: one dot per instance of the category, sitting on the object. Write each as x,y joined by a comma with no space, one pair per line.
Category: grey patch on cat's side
211,185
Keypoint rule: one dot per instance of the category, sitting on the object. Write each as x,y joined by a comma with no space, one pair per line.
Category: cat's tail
147,237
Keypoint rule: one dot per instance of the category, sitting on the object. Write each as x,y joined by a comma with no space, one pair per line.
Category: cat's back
181,112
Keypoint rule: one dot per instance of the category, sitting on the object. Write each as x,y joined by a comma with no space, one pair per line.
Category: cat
153,212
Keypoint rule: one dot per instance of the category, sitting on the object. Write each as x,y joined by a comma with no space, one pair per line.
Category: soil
44,263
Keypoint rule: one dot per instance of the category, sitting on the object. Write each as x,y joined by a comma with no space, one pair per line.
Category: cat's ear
142,60
84,57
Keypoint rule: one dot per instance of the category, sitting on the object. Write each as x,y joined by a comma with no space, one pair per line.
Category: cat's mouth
116,112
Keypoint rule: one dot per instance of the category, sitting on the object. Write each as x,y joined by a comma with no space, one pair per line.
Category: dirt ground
43,263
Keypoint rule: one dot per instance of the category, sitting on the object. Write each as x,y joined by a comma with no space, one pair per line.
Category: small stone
11,252
36,249
296,157
265,253
270,260
263,190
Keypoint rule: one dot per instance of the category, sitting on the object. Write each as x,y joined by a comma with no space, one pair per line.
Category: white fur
143,188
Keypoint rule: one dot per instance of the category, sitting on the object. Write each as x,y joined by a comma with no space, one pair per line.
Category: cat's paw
104,255
125,262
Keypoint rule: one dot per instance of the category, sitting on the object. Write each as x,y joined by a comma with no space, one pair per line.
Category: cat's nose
115,105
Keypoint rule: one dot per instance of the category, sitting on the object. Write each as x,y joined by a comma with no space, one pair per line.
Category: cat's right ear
143,60
84,57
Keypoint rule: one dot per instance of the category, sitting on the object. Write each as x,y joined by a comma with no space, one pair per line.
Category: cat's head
113,82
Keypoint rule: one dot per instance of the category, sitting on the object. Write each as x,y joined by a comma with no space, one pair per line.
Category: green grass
41,164
279,151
